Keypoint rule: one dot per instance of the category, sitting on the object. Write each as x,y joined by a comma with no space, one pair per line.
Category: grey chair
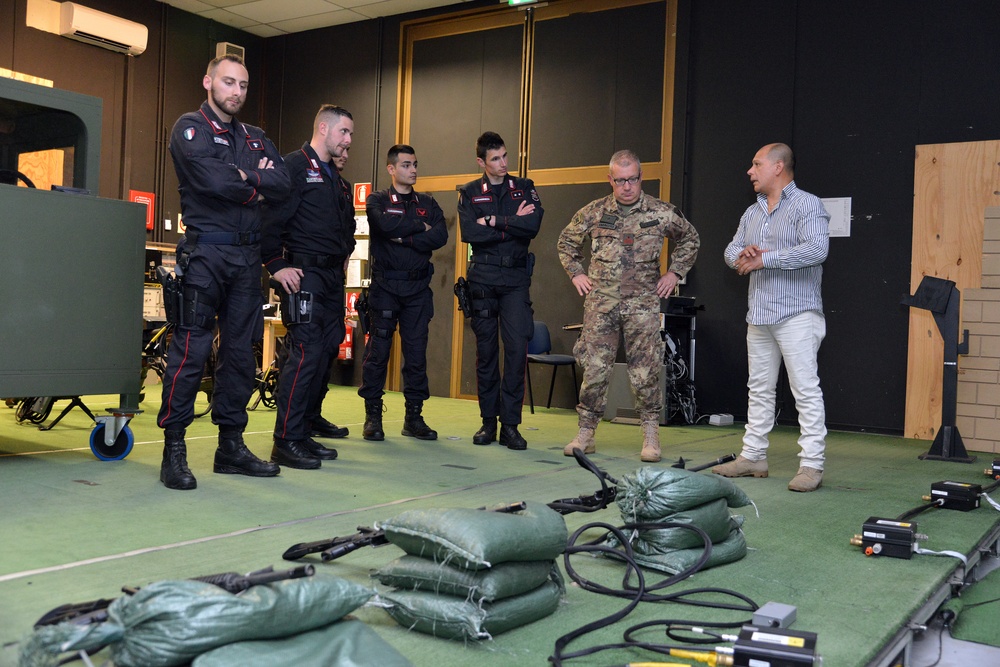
540,352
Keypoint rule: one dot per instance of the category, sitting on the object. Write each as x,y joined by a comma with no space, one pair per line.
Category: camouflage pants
597,348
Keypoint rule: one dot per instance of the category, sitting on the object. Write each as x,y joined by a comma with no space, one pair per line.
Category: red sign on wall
147,198
361,192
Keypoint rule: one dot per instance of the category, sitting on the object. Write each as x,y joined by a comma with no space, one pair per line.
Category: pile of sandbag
658,495
292,622
472,574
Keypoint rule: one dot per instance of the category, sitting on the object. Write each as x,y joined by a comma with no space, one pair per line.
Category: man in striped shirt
781,243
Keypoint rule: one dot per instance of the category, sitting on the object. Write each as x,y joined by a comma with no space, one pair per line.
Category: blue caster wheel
115,452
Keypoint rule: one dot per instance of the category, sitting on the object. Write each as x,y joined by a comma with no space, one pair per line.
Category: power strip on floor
720,420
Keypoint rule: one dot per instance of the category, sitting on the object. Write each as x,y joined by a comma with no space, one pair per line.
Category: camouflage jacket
625,250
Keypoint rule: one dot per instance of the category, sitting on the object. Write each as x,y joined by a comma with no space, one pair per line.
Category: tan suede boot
650,442
584,440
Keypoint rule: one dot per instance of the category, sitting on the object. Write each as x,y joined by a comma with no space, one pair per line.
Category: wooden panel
953,184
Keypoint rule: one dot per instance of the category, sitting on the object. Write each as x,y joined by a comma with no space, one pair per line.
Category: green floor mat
978,612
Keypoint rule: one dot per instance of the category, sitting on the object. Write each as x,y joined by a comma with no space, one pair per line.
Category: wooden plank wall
952,184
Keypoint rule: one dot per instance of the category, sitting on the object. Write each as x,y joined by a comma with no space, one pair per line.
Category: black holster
464,294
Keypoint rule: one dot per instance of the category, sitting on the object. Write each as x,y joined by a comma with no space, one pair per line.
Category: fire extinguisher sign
361,192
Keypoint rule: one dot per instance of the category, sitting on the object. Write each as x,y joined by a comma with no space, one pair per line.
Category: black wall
853,87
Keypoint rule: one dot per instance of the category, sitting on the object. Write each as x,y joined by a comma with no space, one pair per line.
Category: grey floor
935,647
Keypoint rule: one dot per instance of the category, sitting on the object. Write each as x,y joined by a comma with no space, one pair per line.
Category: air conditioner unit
93,27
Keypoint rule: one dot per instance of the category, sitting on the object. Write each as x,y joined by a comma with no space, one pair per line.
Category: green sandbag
476,539
712,517
729,550
344,643
498,582
171,622
652,494
450,617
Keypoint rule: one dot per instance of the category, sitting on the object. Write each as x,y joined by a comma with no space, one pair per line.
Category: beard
229,105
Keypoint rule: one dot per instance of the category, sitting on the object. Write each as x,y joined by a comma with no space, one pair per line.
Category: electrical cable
917,510
638,592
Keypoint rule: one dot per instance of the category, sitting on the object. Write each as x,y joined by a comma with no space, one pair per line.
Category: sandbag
729,550
344,644
450,617
712,517
172,622
476,539
653,494
498,582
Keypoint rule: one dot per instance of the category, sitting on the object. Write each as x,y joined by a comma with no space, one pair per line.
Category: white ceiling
268,18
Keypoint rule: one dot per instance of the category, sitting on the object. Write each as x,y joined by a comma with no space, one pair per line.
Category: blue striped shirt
796,236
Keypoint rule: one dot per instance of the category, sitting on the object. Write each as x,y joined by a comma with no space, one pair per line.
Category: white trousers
796,341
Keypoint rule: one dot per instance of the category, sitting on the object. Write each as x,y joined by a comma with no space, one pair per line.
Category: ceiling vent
229,49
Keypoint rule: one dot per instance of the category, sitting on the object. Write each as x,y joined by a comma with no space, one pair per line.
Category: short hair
328,110
488,141
393,156
624,157
214,63
782,153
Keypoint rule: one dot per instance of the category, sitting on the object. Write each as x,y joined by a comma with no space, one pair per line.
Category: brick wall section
979,371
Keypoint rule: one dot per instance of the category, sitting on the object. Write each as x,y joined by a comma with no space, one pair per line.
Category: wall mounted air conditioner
93,27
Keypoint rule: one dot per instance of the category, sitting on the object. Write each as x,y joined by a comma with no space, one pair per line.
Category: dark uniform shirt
504,247
316,217
207,154
404,266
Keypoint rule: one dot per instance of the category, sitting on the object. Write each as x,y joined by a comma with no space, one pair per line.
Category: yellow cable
701,656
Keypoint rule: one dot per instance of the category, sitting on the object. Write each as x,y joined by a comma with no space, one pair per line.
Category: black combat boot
414,425
319,451
174,471
324,428
510,438
293,454
488,433
233,458
373,419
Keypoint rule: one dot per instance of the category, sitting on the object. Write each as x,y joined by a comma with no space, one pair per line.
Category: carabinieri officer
406,227
225,168
499,214
307,241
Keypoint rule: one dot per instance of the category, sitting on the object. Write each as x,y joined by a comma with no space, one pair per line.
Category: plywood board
952,184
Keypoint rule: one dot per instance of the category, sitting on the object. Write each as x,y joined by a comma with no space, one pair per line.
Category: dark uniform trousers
505,312
310,347
413,315
235,287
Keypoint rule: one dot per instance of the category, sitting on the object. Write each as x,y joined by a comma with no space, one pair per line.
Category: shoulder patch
189,133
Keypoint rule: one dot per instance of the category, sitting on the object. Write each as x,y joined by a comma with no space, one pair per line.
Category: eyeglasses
622,181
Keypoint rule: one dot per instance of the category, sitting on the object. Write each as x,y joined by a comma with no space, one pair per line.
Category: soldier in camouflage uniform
623,290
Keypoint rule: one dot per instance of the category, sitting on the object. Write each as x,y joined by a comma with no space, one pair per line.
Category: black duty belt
418,274
222,238
501,260
315,261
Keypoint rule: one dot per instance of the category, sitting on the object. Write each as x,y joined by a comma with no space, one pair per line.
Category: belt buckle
242,238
